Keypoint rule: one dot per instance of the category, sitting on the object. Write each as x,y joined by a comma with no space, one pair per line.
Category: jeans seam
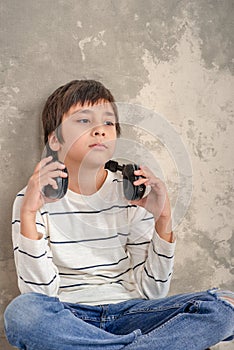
144,336
197,303
158,309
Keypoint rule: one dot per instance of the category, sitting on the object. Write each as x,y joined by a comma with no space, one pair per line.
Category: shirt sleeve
152,257
33,258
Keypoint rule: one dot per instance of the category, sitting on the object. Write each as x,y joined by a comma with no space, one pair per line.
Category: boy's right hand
43,175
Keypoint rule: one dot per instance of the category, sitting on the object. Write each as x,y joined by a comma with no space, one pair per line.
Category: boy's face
89,134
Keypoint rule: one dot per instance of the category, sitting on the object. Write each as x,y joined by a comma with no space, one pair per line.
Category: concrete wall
174,57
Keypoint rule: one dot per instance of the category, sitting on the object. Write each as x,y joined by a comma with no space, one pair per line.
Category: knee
14,318
225,295
21,316
223,312
17,310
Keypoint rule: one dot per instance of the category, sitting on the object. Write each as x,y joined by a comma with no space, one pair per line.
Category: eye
109,122
83,120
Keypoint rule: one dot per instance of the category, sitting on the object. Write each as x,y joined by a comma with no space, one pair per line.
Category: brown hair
68,95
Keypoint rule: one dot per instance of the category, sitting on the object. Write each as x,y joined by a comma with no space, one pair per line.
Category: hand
157,201
43,175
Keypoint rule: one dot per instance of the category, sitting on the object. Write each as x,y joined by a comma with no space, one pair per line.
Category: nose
99,131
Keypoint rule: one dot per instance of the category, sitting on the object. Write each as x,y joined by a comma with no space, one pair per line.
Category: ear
54,142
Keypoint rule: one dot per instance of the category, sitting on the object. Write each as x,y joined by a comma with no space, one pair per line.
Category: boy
93,268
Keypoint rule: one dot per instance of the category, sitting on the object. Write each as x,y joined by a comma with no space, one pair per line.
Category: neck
86,181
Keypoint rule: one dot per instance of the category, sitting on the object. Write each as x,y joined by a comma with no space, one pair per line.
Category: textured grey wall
174,57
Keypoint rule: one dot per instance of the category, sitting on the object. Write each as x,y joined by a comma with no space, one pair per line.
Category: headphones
62,184
131,192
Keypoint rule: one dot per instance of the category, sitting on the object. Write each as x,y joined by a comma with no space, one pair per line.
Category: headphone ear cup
62,183
131,192
128,179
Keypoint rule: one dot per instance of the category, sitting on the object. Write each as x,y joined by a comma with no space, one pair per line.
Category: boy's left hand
157,201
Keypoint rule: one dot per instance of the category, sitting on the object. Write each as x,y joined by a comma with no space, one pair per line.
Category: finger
57,173
153,182
42,163
52,166
144,169
139,172
148,178
144,172
53,183
49,178
140,181
45,180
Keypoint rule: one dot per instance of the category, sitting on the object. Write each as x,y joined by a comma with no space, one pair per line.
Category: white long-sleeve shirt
95,249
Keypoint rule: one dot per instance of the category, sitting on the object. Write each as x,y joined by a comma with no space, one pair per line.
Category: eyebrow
87,110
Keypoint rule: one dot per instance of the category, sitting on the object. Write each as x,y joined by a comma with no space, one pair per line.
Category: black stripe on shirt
162,255
89,284
92,211
123,234
32,256
120,274
149,218
141,263
103,276
37,283
17,248
157,280
91,267
77,285
84,240
140,243
18,221
15,221
117,180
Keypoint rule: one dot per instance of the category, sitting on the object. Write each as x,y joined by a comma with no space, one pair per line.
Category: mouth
99,146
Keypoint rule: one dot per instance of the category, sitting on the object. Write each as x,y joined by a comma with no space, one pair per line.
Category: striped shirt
95,249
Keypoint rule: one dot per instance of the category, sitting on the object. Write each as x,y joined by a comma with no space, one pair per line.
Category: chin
96,160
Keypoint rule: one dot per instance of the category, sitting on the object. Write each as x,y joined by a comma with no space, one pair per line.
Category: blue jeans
187,321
